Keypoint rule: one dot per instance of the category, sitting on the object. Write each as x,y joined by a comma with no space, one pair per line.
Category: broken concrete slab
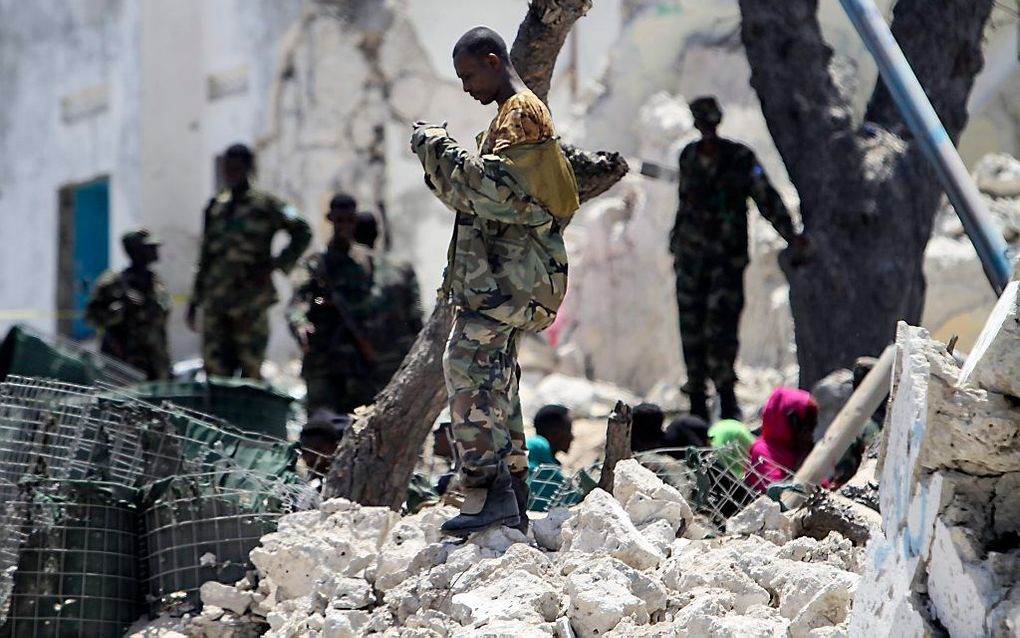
994,362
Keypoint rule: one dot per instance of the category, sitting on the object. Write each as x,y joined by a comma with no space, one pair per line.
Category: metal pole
926,127
846,427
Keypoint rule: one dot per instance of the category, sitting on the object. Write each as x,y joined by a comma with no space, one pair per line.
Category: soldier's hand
192,317
303,334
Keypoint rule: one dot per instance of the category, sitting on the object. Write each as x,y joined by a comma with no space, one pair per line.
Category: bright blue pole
920,116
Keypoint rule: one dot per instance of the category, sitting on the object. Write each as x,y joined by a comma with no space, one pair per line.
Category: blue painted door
91,246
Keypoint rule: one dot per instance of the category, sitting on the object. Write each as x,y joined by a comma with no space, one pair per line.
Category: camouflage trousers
709,298
482,379
232,342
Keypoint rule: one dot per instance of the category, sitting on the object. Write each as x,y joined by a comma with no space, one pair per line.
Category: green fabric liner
26,355
254,406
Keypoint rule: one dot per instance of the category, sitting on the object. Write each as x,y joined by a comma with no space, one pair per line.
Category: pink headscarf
775,453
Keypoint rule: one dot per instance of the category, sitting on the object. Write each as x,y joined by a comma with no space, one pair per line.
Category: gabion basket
201,528
78,566
12,536
253,406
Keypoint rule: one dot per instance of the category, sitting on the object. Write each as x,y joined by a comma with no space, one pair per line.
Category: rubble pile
625,565
950,555
942,559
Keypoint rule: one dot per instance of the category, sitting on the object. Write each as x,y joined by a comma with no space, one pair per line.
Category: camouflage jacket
311,305
130,310
236,261
712,214
383,299
507,259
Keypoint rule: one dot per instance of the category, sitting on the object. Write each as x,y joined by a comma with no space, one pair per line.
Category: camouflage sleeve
105,307
302,299
198,288
474,185
300,236
769,203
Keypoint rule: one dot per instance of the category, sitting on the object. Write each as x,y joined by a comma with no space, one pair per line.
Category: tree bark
618,432
868,196
540,37
374,462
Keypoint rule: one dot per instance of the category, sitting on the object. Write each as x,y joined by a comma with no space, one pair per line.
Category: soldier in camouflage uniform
709,245
381,302
506,270
130,309
396,317
233,284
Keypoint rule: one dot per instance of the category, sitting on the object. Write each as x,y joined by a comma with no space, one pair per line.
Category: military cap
706,109
138,238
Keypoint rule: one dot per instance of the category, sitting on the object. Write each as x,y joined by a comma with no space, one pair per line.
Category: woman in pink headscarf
788,423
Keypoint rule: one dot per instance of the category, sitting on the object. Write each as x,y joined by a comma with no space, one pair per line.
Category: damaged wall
328,98
949,472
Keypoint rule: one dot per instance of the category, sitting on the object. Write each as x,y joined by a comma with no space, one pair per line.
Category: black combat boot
486,507
728,406
523,494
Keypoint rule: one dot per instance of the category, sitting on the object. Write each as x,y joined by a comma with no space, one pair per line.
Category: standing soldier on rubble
506,270
130,309
709,245
332,300
233,284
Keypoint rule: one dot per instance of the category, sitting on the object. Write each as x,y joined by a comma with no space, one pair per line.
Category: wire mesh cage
11,538
26,352
64,431
201,528
77,571
717,482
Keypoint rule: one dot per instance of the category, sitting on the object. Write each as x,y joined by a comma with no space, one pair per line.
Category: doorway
83,251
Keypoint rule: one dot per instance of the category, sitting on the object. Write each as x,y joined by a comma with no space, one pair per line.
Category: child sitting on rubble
788,424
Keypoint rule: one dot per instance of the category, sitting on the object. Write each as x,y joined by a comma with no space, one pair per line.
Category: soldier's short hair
241,152
550,417
343,201
481,41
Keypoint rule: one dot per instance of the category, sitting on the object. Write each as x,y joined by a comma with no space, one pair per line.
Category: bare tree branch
378,453
541,36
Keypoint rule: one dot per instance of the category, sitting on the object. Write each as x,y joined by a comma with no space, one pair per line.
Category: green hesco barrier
78,567
27,354
201,528
253,406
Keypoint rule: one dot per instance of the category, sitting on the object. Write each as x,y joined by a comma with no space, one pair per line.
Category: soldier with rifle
328,312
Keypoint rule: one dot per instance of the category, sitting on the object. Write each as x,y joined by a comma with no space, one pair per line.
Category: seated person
646,427
553,435
686,431
319,439
734,441
787,436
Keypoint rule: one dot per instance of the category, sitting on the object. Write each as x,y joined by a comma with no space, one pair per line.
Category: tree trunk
378,453
618,431
868,196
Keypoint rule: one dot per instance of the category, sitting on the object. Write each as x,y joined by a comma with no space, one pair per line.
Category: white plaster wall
50,50
161,132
